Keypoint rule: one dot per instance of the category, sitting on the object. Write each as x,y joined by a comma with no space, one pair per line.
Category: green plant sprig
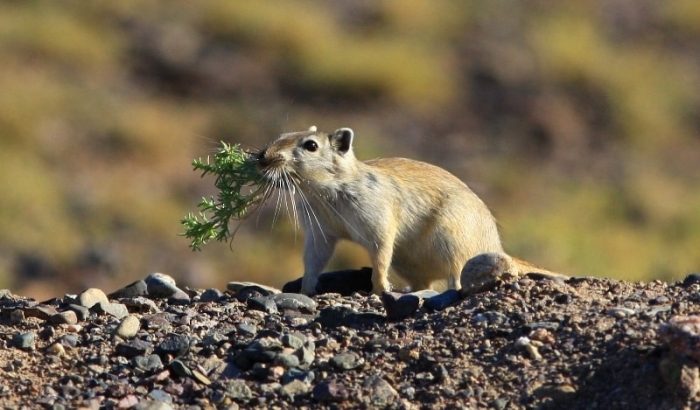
240,188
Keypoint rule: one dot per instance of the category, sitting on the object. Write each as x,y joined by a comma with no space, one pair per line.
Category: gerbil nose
262,160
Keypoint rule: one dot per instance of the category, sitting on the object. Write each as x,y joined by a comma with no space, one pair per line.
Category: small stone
128,327
141,304
17,316
298,374
263,304
542,335
200,377
160,395
160,285
295,388
133,348
293,341
117,310
211,295
56,349
127,402
43,312
24,340
70,340
180,369
247,329
174,344
347,361
132,290
682,335
82,312
691,279
287,360
399,306
90,297
380,392
64,318
307,353
443,300
621,312
237,390
294,301
325,392
150,362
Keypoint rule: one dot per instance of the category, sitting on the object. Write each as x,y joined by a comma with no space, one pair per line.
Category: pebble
160,395
132,290
249,287
117,310
263,304
24,340
399,306
443,300
380,392
150,362
64,318
180,368
238,390
56,349
295,388
174,344
141,304
294,301
287,360
133,348
211,295
620,312
691,279
90,297
293,341
82,312
326,392
43,312
128,327
160,285
347,361
70,340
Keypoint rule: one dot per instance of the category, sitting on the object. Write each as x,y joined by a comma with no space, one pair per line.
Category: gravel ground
525,343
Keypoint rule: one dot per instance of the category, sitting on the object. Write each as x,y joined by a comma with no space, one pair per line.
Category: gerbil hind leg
381,260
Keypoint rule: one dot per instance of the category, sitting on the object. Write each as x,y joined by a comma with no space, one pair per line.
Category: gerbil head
310,157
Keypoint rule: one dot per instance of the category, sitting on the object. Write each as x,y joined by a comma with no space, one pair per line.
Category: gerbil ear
342,139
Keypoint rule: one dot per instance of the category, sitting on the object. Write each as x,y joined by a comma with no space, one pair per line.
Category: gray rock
306,353
141,304
135,289
43,312
211,295
293,341
150,362
443,300
117,310
238,390
160,395
691,279
174,344
335,316
263,304
294,301
326,392
64,318
298,374
90,297
379,391
82,312
160,285
24,340
180,368
247,329
399,306
128,327
70,340
133,348
295,388
347,361
287,360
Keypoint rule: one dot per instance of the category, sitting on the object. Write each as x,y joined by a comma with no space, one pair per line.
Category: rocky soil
526,342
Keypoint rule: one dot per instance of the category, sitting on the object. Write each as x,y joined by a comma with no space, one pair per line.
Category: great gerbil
414,217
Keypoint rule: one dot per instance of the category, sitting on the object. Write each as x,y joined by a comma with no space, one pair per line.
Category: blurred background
577,123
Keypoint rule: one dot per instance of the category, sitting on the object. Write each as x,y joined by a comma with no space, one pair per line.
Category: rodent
411,216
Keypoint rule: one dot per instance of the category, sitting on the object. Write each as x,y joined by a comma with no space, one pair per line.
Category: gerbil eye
310,145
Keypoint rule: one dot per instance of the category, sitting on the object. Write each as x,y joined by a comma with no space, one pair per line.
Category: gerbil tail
524,268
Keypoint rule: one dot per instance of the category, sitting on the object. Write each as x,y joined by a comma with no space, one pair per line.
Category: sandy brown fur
413,217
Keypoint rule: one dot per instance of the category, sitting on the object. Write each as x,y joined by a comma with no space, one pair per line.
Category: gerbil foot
484,270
